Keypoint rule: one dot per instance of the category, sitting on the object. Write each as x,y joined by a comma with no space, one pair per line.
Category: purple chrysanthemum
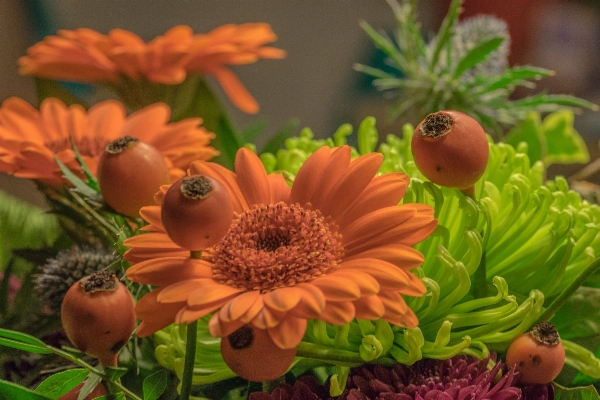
458,378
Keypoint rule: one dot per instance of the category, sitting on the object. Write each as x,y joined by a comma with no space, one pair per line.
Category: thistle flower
463,67
30,138
58,274
123,61
460,377
333,247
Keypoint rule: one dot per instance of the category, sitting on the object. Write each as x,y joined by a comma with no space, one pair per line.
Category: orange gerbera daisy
88,56
335,246
29,138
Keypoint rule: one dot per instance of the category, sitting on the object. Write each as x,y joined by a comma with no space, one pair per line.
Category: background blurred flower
29,138
122,56
335,246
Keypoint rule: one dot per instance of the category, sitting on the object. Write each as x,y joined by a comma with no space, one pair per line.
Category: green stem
336,356
480,279
269,386
190,357
96,371
569,290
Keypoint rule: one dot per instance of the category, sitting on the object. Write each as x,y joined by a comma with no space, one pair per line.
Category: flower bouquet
178,261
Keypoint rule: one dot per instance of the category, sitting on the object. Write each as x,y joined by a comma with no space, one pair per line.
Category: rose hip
451,149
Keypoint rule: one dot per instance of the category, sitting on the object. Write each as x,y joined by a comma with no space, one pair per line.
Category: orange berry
196,212
253,356
451,149
98,316
130,172
538,355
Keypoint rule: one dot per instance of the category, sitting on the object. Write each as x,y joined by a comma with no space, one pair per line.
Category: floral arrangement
179,261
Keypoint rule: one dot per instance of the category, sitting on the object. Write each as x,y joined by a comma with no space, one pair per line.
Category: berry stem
190,350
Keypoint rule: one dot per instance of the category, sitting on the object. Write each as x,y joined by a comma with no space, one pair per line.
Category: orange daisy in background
335,246
85,55
29,138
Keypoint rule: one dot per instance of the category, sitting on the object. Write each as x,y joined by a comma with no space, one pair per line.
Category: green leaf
530,131
114,373
250,133
9,390
476,55
46,88
554,100
154,385
578,393
80,185
61,383
445,32
513,77
22,341
565,145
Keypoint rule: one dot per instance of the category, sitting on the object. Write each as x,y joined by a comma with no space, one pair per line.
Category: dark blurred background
316,83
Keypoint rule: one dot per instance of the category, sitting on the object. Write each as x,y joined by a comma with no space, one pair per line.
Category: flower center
276,245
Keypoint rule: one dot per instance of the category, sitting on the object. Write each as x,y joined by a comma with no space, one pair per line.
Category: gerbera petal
151,214
384,191
212,293
400,255
238,306
190,314
280,190
312,302
252,177
267,318
226,177
154,315
181,291
374,224
336,166
253,311
289,332
388,276
369,307
337,288
367,284
406,320
351,184
219,328
338,313
146,123
283,299
166,271
394,304
416,287
308,177
235,90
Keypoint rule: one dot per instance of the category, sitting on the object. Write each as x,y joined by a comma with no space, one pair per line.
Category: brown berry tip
99,281
242,338
117,146
195,187
546,333
436,125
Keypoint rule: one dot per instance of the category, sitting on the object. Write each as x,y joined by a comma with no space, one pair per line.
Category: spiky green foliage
463,67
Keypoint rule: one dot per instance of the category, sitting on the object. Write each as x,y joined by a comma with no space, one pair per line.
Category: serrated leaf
529,131
61,383
154,385
22,341
9,390
476,55
578,393
80,185
564,144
